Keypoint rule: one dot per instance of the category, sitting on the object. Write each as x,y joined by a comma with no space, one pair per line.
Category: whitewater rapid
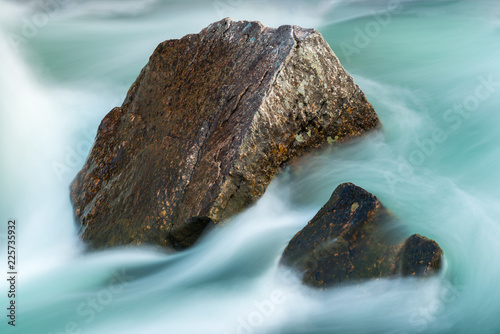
429,68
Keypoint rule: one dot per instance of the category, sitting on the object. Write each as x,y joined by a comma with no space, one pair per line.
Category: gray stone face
205,127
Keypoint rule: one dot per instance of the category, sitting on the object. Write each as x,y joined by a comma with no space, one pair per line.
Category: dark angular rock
207,124
352,239
419,256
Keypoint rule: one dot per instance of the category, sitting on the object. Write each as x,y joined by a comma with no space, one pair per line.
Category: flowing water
430,68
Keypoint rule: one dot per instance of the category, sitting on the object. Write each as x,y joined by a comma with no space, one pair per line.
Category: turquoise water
431,70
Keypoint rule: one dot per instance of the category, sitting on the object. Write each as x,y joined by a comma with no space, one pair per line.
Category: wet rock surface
207,124
352,239
419,256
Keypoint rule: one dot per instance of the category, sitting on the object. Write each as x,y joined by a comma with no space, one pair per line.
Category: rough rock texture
352,239
207,124
419,256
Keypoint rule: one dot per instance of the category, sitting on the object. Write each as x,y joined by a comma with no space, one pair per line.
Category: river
431,70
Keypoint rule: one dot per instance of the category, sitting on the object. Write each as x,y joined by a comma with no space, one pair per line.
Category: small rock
419,256
352,239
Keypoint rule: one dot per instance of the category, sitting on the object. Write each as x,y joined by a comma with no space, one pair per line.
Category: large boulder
206,126
353,238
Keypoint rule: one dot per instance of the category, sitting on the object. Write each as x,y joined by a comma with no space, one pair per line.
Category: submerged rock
205,127
352,238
